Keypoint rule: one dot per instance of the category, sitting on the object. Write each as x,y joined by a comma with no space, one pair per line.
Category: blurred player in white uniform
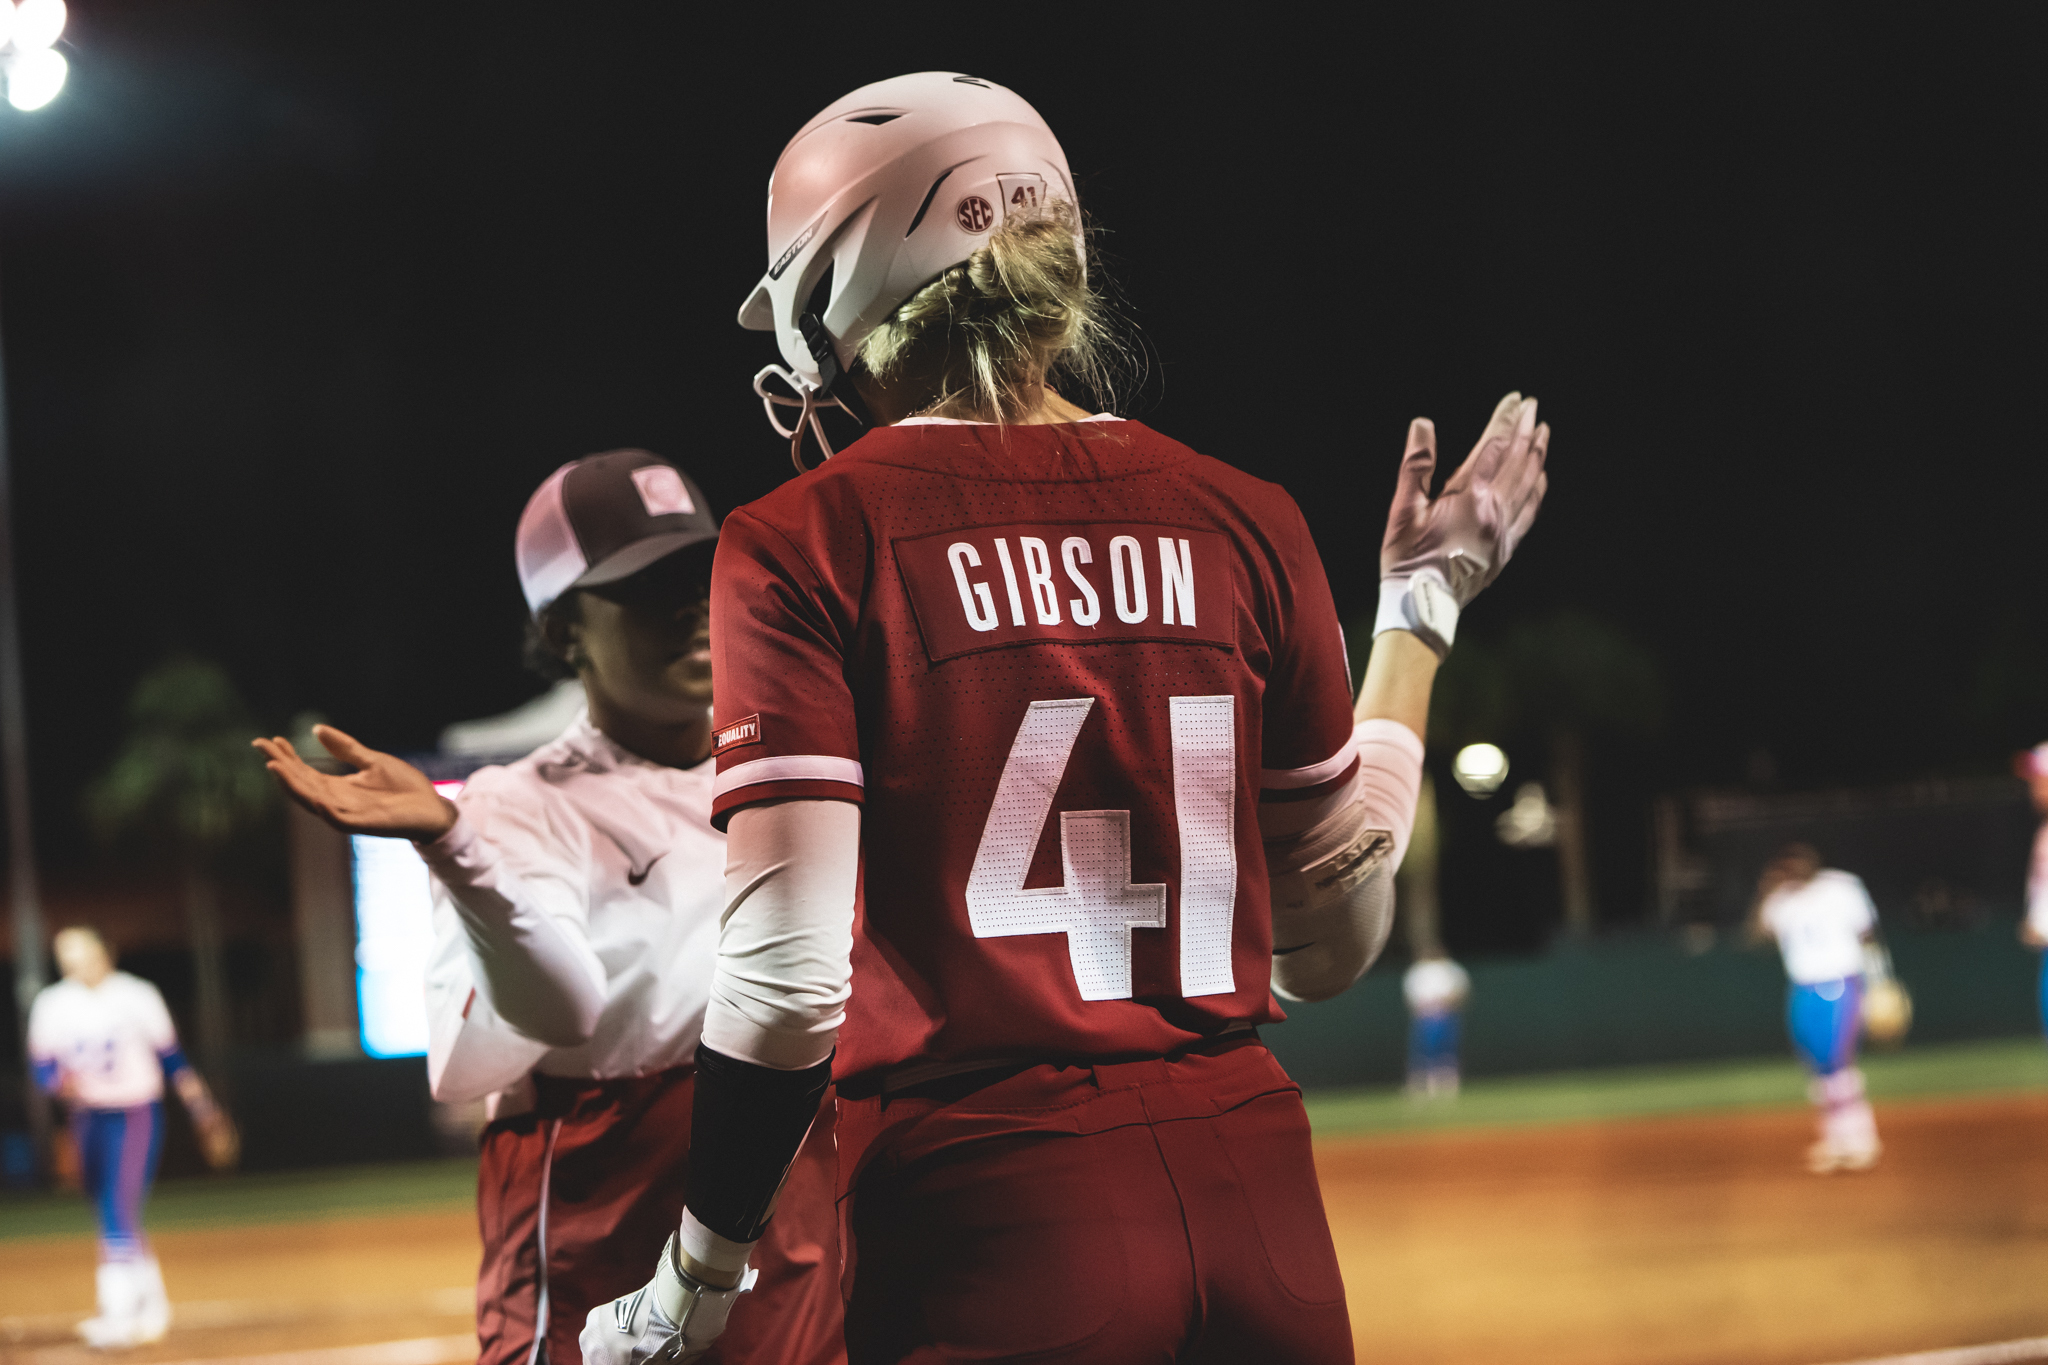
2032,767
577,895
1822,919
1436,989
102,1042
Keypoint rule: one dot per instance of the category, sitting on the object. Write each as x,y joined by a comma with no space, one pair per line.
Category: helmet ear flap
757,314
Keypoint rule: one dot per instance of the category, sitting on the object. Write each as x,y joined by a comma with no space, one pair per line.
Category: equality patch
744,731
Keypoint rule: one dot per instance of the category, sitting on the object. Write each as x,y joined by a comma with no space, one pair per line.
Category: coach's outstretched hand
385,795
1438,553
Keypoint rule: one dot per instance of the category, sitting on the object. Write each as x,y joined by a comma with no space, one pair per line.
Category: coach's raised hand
1438,553
385,795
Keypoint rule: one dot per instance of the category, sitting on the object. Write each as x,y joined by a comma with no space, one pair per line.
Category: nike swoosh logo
634,879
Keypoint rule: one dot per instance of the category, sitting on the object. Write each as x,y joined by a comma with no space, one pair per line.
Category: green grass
1632,1092
278,1197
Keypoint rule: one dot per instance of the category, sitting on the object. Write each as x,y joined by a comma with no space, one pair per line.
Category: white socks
153,1314
120,1299
134,1308
1847,1126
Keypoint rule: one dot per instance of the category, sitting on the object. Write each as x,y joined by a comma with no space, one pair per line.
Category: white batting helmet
883,192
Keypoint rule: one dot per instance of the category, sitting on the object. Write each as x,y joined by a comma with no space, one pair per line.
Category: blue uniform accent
118,1150
1433,1041
2044,990
1823,1019
49,1075
172,1059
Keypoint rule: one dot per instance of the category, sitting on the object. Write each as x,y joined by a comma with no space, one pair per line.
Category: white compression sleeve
538,971
785,949
1332,863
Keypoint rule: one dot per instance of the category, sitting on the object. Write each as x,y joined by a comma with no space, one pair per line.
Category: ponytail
1003,322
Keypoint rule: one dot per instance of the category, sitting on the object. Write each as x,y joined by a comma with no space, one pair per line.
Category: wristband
708,1249
1421,604
697,1309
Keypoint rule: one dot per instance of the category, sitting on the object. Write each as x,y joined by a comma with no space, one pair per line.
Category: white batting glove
1439,553
672,1318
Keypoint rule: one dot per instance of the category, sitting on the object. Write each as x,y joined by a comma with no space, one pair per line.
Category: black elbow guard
746,1124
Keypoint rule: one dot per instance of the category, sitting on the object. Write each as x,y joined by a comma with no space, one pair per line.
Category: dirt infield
1667,1241
1684,1241
255,1289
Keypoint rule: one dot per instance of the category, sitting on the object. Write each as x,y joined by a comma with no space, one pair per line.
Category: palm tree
1575,678
1415,885
1567,678
186,780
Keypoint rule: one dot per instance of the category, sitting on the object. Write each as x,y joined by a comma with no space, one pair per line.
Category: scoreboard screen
394,939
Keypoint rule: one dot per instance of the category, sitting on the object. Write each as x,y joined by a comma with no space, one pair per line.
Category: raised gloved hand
1438,553
673,1317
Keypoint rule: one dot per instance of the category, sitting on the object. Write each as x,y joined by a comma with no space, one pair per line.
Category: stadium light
35,70
37,24
1480,768
1531,822
34,77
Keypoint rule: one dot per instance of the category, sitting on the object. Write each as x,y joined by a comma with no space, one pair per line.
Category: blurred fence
1633,999
1941,852
1646,998
297,1112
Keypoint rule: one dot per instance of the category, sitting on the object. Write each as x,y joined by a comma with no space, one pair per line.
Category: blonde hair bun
993,329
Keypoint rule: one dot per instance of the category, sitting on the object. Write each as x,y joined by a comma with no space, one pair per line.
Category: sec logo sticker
975,213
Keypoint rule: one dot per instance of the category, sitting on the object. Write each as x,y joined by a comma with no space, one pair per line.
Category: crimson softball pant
576,1197
1162,1210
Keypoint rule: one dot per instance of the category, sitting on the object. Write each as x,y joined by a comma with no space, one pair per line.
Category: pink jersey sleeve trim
788,768
1287,779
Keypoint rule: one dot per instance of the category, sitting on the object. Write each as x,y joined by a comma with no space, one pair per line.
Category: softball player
102,1042
1060,1137
2031,766
1822,919
1436,989
576,902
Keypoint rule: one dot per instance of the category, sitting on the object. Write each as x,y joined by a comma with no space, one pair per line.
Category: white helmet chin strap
809,399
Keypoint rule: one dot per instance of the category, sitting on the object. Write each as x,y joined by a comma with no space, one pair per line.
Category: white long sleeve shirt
576,917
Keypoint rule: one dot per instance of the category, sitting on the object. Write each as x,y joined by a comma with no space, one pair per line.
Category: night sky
301,301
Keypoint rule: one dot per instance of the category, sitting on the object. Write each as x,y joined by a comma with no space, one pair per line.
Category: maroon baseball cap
606,517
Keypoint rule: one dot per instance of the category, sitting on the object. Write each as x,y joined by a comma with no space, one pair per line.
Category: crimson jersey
974,629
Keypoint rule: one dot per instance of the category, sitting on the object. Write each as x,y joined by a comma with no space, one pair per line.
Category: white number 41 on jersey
1097,905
